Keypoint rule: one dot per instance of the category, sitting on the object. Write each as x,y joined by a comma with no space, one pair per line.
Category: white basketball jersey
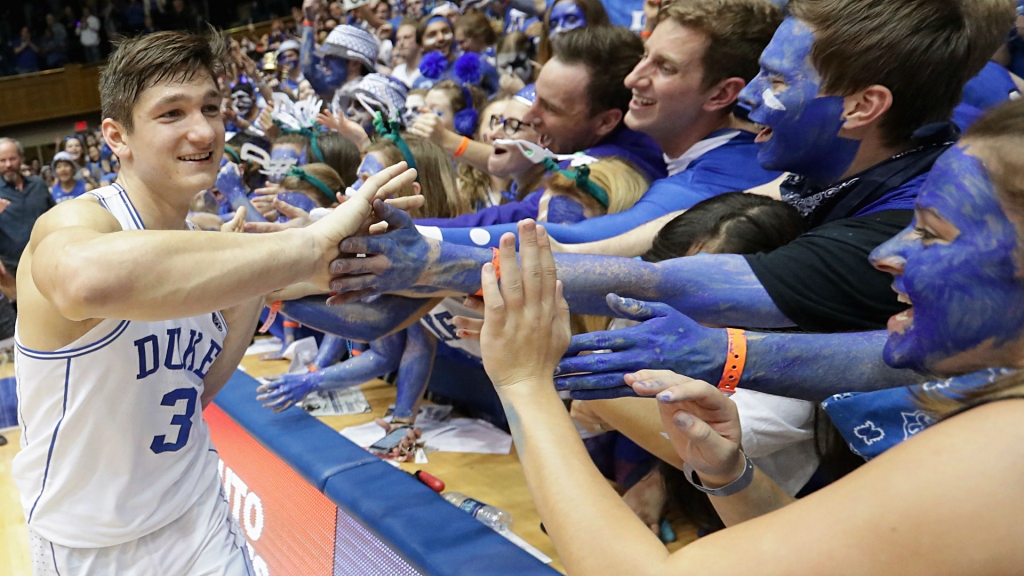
113,442
439,322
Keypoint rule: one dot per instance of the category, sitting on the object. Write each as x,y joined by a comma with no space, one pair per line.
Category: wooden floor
495,479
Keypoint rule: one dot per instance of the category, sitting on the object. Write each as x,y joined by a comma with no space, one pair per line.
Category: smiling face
178,136
561,114
801,126
565,16
958,266
438,36
73,146
666,84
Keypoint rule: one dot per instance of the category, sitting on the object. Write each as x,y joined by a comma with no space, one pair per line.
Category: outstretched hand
702,422
394,261
664,339
526,321
353,217
290,389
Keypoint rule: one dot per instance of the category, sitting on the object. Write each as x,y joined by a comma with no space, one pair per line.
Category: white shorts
205,541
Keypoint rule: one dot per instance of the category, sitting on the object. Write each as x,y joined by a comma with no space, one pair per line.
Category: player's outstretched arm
87,268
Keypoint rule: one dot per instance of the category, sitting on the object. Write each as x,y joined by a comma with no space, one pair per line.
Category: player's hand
353,217
664,339
526,320
290,389
429,126
702,423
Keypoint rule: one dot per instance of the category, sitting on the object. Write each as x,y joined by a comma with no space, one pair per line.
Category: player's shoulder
82,212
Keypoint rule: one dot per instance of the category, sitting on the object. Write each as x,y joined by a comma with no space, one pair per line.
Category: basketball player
130,324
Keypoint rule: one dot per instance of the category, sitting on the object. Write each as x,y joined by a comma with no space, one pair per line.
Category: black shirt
17,220
822,280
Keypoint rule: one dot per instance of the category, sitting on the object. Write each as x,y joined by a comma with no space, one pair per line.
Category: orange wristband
645,34
735,360
271,316
462,147
496,261
290,324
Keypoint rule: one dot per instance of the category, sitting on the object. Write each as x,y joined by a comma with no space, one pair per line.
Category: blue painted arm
414,373
658,201
805,366
331,350
361,321
719,289
229,183
502,214
324,82
383,356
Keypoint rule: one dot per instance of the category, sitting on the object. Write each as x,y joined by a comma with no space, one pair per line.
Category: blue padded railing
431,534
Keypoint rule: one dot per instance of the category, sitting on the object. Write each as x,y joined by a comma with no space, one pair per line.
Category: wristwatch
729,489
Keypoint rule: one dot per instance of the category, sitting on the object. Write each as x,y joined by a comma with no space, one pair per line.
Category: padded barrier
414,521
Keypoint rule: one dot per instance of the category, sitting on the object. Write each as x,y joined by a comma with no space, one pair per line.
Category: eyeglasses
509,126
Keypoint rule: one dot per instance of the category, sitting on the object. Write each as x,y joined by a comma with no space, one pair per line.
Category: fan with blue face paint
802,126
958,266
565,15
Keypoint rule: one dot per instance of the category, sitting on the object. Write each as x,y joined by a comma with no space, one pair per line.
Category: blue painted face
957,265
370,166
802,127
335,71
565,16
565,210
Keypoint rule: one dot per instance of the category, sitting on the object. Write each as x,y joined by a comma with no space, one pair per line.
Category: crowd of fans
562,114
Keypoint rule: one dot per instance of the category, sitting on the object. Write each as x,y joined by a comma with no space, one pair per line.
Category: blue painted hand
289,389
394,261
664,339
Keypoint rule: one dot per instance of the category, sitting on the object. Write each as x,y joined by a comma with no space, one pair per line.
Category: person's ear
724,94
607,121
416,189
117,138
865,108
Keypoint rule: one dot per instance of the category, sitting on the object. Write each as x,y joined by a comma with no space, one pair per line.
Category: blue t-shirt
59,195
628,13
992,86
730,167
26,60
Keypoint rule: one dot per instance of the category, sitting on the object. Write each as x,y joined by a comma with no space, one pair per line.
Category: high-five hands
353,217
526,321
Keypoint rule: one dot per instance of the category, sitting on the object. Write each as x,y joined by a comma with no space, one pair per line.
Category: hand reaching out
354,216
430,126
237,222
290,389
4,203
702,422
526,321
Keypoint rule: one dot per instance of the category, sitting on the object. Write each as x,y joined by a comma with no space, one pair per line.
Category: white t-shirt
404,75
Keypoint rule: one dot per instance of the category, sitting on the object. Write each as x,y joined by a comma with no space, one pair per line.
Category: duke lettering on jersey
175,357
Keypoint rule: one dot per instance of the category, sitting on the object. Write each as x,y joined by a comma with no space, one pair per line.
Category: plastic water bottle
496,518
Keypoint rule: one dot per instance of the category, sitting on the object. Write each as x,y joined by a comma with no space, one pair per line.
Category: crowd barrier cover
311,503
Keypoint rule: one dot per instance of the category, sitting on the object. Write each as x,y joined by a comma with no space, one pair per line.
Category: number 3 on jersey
184,421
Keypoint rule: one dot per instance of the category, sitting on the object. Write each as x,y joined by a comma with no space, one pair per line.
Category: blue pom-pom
467,68
433,64
465,121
